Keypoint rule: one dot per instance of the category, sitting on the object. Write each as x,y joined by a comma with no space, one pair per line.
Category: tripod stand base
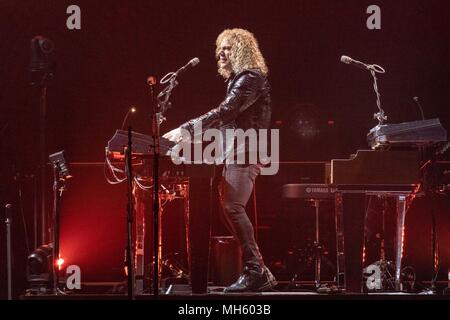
428,292
327,289
312,288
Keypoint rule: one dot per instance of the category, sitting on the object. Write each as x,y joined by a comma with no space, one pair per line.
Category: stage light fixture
39,269
42,62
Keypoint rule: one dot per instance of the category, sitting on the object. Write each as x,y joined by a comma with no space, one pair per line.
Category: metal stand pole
35,212
156,117
159,252
434,247
58,188
55,233
42,163
385,275
401,211
130,210
317,248
8,221
139,249
341,279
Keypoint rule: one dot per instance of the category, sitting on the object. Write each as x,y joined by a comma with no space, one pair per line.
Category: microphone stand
155,196
380,115
130,210
373,68
430,185
59,180
8,221
57,192
158,111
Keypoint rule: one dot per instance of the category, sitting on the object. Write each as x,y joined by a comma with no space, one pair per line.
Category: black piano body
386,173
393,168
368,172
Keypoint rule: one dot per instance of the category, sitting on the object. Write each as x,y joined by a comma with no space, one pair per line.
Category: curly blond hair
245,53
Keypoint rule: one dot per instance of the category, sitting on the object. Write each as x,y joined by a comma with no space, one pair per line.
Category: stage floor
278,295
303,291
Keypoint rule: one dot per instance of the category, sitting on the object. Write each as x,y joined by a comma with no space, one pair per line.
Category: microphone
131,110
8,209
416,99
356,63
189,65
151,81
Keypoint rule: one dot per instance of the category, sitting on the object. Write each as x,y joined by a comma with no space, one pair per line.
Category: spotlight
42,60
39,269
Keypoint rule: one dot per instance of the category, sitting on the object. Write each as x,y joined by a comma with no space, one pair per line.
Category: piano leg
318,253
401,212
340,253
350,211
198,224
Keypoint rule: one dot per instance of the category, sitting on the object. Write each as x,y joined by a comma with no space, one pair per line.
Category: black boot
253,279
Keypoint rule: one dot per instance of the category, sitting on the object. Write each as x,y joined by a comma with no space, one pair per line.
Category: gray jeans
235,189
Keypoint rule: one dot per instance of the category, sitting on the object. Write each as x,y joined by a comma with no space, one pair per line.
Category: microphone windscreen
151,80
8,209
346,59
195,61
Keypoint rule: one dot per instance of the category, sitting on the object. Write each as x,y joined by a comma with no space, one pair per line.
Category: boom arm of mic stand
163,98
380,115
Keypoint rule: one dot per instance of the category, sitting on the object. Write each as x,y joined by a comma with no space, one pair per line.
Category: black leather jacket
246,105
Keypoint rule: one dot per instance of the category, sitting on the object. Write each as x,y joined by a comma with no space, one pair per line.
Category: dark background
102,71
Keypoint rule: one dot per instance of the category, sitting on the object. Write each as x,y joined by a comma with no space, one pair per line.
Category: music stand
60,175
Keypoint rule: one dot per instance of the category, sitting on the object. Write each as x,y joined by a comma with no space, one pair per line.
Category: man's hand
174,135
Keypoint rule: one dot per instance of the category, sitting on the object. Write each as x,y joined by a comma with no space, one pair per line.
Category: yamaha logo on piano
320,190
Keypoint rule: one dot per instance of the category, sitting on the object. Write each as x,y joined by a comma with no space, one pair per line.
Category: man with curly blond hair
246,106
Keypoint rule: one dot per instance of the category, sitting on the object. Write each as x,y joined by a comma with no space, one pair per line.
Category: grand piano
392,168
